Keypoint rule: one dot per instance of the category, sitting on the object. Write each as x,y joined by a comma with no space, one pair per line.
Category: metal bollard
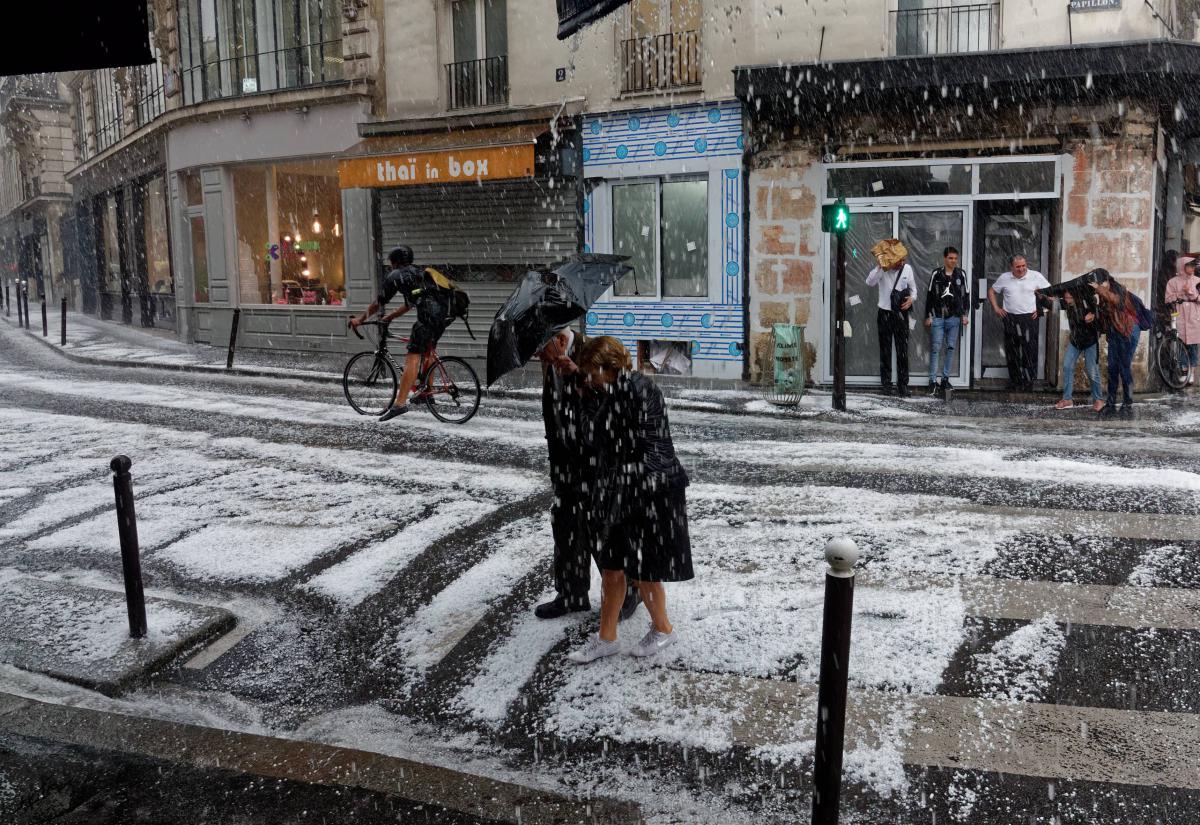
842,555
237,314
45,322
20,308
131,564
7,300
26,293
63,318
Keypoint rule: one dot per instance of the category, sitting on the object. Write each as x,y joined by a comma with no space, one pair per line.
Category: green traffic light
841,220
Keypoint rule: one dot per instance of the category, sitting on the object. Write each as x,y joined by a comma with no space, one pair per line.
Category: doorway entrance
1001,231
926,232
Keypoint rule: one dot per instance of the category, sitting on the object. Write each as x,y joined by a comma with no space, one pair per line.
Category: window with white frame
479,34
662,225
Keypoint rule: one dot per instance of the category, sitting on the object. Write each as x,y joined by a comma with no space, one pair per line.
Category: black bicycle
449,386
1170,353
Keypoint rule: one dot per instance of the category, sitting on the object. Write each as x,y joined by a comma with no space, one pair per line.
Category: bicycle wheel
1173,363
370,383
453,390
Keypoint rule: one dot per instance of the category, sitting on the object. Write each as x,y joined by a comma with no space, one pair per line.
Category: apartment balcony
947,29
474,83
660,62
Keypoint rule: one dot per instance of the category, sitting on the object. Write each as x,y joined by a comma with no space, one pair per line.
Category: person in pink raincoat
1185,286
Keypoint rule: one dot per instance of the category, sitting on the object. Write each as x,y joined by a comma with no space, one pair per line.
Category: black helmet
400,256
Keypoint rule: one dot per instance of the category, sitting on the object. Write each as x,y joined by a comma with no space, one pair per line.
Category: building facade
277,149
36,151
936,130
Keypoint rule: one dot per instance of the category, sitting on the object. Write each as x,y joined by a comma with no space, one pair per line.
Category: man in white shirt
1019,289
893,324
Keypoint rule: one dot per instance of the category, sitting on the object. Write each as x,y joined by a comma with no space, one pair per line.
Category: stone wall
785,249
1108,219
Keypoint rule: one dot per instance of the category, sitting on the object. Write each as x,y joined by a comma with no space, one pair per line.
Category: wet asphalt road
309,661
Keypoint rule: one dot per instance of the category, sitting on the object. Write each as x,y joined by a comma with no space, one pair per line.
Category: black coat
627,451
561,410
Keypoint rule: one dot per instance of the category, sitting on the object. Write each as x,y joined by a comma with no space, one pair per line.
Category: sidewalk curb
319,378
306,762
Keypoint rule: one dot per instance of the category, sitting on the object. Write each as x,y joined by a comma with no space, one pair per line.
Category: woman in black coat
635,488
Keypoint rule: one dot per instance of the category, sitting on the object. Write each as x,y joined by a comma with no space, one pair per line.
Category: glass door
1005,229
867,227
926,232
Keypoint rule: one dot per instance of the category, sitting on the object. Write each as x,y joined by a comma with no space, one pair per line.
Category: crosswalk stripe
1032,739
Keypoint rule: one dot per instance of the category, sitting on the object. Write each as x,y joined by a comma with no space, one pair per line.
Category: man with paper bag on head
897,286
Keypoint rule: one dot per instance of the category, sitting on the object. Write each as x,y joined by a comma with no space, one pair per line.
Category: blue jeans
1193,354
1090,366
1134,337
1120,361
944,330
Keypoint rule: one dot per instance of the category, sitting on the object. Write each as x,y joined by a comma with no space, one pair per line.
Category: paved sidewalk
81,634
102,343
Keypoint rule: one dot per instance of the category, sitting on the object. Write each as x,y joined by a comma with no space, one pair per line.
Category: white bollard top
842,555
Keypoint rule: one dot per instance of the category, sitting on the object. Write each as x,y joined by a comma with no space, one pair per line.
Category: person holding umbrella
637,508
561,395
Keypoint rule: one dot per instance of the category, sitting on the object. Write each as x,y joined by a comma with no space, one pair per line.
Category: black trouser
572,561
893,328
1020,349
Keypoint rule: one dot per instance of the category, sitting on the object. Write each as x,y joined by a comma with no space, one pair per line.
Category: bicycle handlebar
376,323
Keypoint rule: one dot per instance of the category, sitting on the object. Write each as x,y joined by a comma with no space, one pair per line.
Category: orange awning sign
451,166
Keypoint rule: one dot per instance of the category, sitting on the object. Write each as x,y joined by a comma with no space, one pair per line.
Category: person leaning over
1084,340
638,508
1118,317
1019,287
947,312
897,287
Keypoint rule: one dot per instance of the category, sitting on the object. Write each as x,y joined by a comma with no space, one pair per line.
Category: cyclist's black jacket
414,285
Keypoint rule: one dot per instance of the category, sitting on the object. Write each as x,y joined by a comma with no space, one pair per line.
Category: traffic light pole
839,338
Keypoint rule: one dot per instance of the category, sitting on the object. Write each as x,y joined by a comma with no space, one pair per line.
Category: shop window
900,181
199,260
193,191
110,226
290,248
662,225
158,255
1016,178
236,47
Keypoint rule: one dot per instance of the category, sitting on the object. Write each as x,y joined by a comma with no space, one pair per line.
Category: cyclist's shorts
432,320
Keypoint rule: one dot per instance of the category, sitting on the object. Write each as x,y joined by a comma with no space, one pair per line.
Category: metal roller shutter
523,222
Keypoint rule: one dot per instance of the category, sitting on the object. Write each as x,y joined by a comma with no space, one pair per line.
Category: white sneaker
595,648
653,642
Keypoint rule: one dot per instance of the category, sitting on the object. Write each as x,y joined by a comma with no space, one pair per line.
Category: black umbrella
544,302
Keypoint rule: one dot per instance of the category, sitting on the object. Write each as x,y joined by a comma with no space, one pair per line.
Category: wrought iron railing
292,67
947,29
661,61
107,109
150,100
482,82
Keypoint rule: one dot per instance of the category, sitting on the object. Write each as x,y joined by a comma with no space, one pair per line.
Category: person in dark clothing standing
947,308
897,288
417,287
561,399
637,505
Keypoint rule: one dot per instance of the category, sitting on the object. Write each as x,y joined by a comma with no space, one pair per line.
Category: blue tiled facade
702,139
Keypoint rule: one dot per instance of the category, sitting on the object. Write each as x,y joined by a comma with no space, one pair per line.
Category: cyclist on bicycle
433,316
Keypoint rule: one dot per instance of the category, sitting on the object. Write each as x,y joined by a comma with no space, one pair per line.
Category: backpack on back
459,300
